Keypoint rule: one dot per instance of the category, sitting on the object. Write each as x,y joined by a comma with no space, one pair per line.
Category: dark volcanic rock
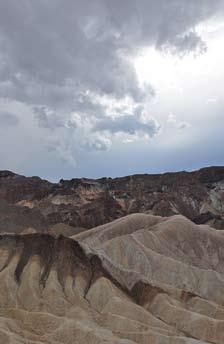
15,219
87,203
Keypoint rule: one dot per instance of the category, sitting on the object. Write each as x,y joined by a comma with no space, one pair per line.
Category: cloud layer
70,63
8,119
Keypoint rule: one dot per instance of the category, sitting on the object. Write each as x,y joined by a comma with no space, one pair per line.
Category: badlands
139,279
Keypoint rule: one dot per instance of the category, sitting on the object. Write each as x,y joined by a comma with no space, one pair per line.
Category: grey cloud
183,125
128,124
48,53
47,118
54,54
8,119
189,42
98,143
64,150
49,50
172,119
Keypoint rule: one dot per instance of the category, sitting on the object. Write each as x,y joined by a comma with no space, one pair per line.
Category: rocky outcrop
16,219
139,279
87,203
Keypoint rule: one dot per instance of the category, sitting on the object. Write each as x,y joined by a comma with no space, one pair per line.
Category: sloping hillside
140,279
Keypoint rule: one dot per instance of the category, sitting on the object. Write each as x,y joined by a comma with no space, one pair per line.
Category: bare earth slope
139,279
86,203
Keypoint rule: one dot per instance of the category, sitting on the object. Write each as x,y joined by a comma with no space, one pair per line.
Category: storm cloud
70,63
52,52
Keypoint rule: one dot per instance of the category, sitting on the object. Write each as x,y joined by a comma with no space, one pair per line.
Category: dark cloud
51,51
70,62
8,119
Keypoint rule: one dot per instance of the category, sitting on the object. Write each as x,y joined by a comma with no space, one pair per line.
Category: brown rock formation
87,203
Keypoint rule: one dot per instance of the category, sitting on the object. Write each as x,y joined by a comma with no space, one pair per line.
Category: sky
111,88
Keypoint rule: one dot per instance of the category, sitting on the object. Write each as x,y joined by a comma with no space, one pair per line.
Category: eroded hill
140,279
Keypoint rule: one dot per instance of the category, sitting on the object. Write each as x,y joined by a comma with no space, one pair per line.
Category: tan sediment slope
140,279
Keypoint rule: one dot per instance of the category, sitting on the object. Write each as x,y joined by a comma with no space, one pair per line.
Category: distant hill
86,203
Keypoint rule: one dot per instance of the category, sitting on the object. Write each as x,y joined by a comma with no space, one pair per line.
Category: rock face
15,219
139,279
86,203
